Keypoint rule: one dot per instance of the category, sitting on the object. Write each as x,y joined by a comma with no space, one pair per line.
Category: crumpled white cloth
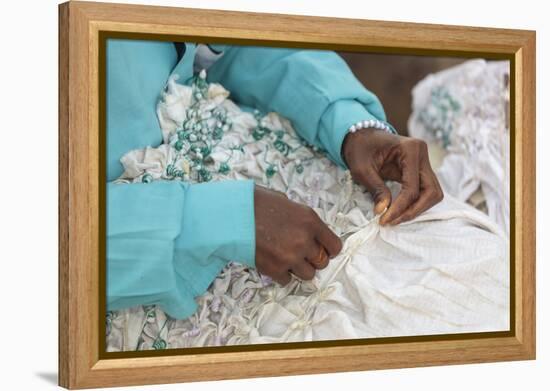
447,271
466,109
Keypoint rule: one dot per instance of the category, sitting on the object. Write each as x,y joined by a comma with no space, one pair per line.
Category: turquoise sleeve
167,241
315,89
136,74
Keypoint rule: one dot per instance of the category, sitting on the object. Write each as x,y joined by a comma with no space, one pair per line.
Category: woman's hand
374,156
290,237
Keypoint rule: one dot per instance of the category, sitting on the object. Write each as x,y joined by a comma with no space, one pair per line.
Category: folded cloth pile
465,110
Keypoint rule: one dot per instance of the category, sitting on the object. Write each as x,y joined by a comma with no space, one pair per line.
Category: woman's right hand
290,237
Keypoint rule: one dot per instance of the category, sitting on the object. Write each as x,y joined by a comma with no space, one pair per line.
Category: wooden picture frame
83,26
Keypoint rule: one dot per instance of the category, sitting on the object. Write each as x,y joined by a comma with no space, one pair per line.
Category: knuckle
271,269
339,246
420,143
380,197
300,240
355,172
311,218
282,280
358,174
409,215
435,195
410,196
432,193
289,260
282,259
304,271
335,246
417,145
379,192
309,274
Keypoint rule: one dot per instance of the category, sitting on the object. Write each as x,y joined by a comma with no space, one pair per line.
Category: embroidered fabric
465,109
444,272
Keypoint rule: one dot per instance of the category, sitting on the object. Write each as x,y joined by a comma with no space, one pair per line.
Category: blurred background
391,77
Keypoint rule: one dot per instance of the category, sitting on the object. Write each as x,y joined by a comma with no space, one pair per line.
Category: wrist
362,128
351,138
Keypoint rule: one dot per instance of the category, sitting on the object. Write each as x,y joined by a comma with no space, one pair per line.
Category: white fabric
475,132
444,272
204,58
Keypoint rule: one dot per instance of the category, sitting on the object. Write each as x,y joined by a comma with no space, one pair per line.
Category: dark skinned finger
328,239
410,188
430,195
303,270
319,257
369,177
282,278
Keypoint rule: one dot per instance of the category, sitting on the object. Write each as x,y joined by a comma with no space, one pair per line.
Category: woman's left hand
373,156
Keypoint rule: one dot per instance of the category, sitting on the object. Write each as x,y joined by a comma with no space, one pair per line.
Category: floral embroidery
203,128
194,154
197,135
438,115
159,344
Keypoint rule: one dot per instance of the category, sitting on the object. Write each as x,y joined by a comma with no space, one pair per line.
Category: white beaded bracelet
373,123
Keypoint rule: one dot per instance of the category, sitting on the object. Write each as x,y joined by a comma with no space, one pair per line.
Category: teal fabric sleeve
315,89
136,74
218,227
167,241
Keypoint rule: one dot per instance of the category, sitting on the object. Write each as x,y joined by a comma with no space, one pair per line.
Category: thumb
369,177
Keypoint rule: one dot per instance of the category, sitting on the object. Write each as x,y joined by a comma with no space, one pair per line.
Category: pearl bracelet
373,123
